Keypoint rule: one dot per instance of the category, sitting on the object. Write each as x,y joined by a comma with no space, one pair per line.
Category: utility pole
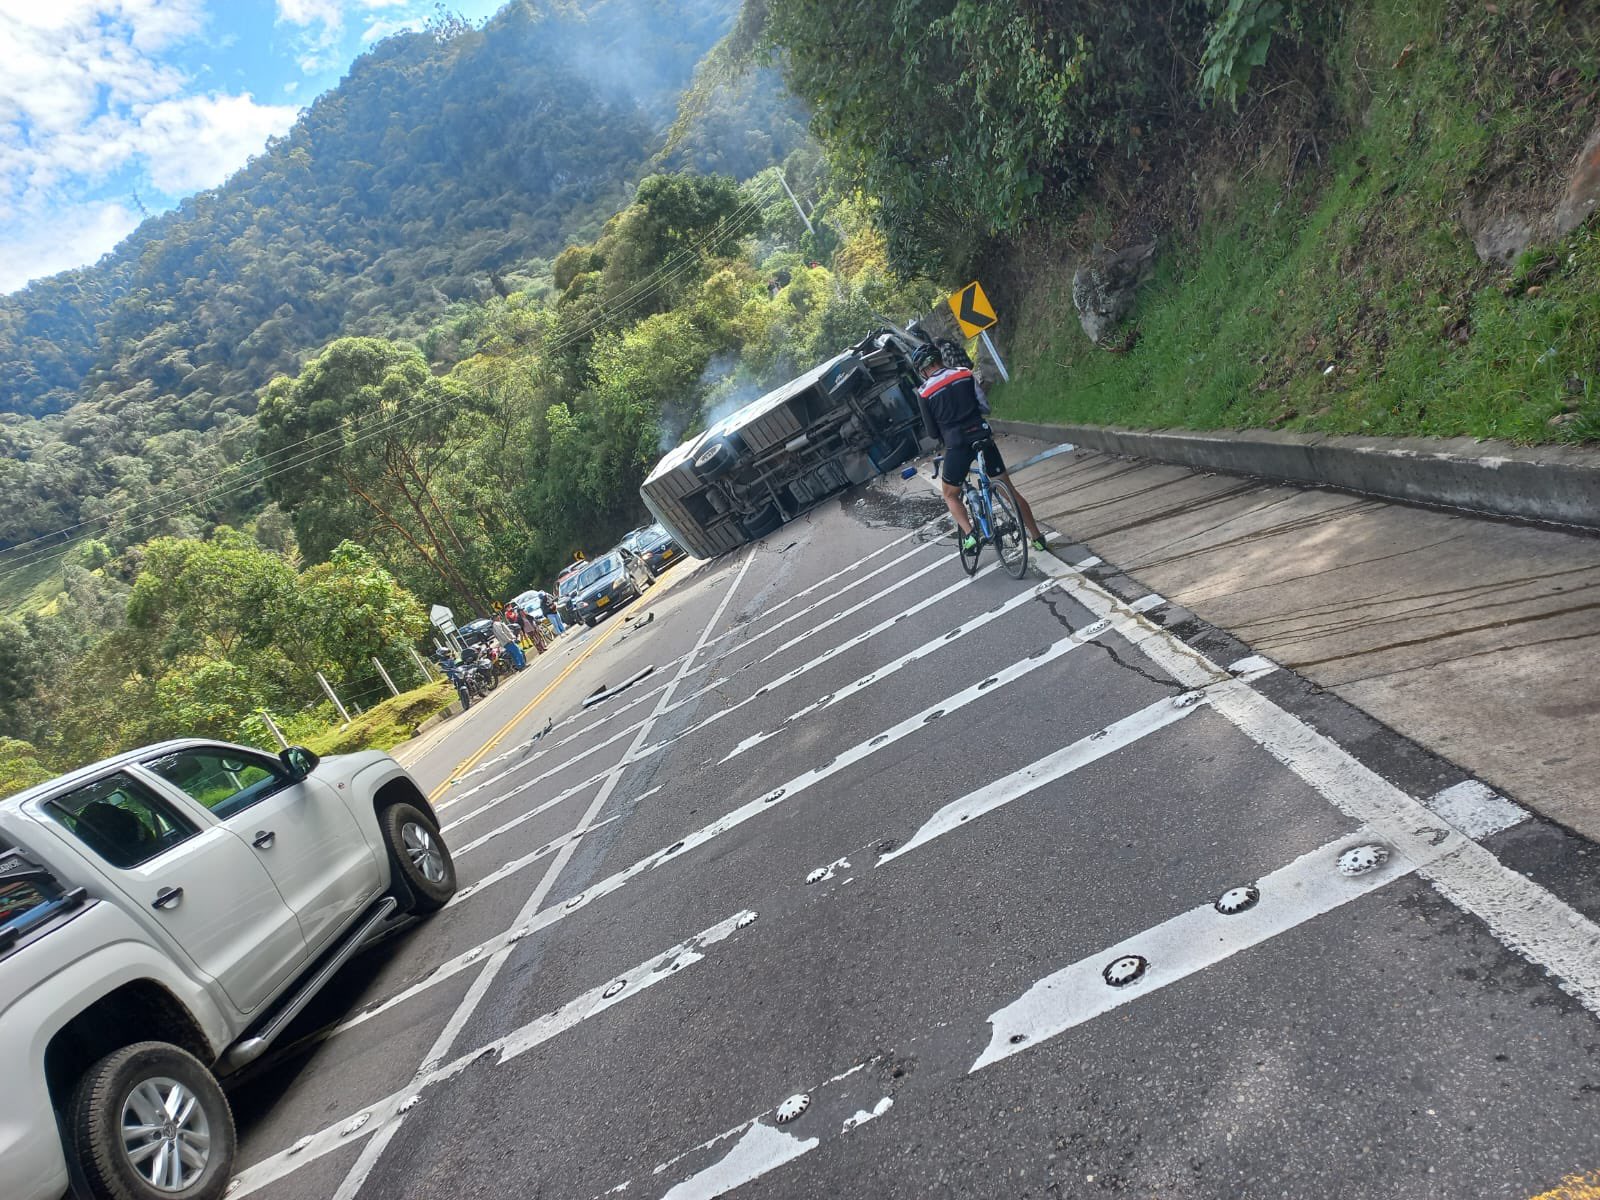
800,211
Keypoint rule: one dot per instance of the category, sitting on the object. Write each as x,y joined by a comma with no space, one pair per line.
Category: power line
736,221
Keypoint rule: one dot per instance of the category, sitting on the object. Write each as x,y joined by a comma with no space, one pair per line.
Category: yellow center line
476,756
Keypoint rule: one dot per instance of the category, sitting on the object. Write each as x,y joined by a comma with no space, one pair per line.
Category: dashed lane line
769,801
383,1115
764,691
373,1150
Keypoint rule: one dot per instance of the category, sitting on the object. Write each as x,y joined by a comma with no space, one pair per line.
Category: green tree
364,432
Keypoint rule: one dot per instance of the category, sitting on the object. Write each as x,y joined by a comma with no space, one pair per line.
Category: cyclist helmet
924,356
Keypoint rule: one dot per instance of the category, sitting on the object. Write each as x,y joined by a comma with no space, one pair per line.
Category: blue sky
105,100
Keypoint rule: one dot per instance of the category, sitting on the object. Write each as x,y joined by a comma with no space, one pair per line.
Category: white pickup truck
163,916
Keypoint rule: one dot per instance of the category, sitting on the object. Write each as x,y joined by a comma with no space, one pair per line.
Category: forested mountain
448,166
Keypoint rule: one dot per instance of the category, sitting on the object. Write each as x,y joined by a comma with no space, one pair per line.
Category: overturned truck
853,417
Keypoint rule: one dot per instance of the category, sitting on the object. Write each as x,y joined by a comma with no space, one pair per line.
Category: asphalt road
885,882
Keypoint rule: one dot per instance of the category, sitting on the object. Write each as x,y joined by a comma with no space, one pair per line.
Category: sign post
976,316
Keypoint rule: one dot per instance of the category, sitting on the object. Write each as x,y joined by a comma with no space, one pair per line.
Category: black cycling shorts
958,459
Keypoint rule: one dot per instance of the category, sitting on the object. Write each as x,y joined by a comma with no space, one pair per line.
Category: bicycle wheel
1010,539
969,559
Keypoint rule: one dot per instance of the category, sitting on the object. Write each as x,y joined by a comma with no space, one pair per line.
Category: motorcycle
481,666
468,686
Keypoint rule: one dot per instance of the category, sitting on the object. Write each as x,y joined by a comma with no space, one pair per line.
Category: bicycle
994,520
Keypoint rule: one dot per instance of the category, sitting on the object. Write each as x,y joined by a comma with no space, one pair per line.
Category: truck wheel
149,1122
419,855
763,523
714,459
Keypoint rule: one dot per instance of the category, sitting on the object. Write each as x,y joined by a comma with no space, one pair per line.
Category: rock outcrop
1500,233
1103,287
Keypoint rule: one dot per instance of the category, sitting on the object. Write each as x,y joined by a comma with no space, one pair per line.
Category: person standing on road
519,618
508,643
552,612
954,403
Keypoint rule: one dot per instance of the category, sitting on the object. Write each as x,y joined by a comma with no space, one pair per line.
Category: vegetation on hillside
450,165
1311,176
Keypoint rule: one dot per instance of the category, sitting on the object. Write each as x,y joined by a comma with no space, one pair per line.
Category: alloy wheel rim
423,852
166,1133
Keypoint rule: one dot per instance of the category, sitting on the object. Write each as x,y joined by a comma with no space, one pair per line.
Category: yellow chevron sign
973,311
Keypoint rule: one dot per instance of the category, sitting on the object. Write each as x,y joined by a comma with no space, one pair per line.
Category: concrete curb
1552,485
438,718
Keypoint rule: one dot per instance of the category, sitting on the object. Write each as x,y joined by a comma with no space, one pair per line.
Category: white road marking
876,596
879,674
1523,916
760,1150
1476,809
1252,666
1145,603
373,1150
840,616
766,612
862,1115
766,690
1177,948
1051,767
767,802
383,1116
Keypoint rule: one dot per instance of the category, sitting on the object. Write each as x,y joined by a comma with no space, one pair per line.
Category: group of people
517,628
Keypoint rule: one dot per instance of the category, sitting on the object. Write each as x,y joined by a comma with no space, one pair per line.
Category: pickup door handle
263,839
167,898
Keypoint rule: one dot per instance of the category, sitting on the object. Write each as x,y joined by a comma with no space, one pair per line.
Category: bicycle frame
977,498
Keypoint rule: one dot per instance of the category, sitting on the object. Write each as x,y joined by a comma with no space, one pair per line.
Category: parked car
854,417
655,545
565,583
608,583
477,633
164,916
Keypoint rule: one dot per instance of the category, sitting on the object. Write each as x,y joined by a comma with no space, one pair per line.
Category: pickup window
221,780
121,820
29,897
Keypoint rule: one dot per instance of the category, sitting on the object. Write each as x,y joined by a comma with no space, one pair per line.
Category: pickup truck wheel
420,855
149,1122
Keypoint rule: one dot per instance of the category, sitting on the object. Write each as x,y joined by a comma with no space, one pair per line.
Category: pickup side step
247,1050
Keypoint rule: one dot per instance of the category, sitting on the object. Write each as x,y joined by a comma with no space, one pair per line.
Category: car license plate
602,602
666,554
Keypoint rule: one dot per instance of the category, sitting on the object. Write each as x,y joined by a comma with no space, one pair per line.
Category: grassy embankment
1366,267
388,724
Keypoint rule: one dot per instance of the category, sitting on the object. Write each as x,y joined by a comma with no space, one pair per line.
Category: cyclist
954,403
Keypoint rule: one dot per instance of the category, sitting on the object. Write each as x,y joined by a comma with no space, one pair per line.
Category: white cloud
198,141
68,240
89,104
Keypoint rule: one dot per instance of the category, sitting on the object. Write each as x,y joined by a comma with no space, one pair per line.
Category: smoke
722,390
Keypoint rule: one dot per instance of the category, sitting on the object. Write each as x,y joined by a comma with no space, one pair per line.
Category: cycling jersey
954,402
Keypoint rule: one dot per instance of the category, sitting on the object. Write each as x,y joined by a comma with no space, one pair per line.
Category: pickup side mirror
300,761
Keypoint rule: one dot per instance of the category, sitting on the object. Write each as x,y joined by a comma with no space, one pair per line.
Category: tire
420,856
969,561
768,520
714,459
119,1100
465,694
1010,540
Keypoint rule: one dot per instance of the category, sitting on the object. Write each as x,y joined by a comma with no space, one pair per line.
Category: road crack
1065,622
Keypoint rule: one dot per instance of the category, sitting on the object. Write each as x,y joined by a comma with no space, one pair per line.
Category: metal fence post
272,727
422,666
393,691
328,687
